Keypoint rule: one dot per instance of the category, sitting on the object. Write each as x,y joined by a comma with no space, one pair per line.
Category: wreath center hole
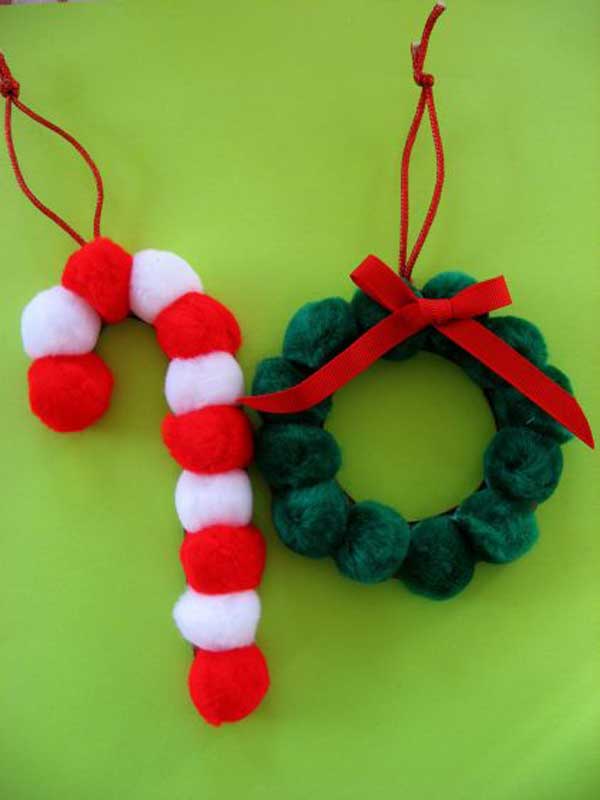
412,434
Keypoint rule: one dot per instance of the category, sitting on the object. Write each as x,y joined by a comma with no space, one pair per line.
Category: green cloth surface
262,142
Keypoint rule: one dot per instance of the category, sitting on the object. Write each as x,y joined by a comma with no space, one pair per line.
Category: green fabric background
261,140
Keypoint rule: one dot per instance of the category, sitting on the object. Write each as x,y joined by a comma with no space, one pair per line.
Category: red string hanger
9,89
456,317
426,101
70,388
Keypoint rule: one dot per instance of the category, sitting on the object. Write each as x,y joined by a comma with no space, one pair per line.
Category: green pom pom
499,529
446,284
521,335
368,313
523,464
511,408
375,545
312,520
275,374
319,331
439,563
290,456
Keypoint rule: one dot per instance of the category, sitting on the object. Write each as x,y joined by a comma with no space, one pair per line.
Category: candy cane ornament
70,387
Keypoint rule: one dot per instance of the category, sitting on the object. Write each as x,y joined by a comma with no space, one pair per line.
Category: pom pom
376,543
196,324
217,621
522,464
227,686
513,409
100,272
193,383
319,331
223,559
57,322
368,313
521,335
205,500
312,520
157,279
213,439
275,374
439,563
498,529
444,285
69,393
294,455
447,284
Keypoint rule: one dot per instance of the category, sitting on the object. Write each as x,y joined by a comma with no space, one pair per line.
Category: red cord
9,89
425,81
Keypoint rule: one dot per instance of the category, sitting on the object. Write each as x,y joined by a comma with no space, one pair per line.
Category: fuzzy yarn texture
205,500
523,464
57,322
223,559
227,686
291,456
512,409
311,520
217,621
212,379
375,544
158,278
100,272
210,440
439,563
368,313
275,374
499,529
69,393
196,324
318,331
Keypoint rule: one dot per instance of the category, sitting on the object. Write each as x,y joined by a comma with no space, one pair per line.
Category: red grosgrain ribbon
453,318
9,89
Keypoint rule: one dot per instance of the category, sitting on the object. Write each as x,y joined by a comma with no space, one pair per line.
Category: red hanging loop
425,81
9,89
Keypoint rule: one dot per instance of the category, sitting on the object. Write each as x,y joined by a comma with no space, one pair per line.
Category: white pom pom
57,322
213,379
157,279
217,621
223,499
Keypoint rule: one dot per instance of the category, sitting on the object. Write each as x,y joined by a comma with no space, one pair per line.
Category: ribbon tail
502,359
355,359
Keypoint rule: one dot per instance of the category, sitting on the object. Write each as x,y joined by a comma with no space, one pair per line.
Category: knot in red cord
9,87
436,312
423,79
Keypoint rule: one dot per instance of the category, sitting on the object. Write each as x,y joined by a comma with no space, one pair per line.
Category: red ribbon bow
453,317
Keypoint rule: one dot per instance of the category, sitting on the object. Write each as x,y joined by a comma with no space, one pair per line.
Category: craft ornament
70,388
330,342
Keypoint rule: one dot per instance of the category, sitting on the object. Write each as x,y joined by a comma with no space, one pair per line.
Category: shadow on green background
261,141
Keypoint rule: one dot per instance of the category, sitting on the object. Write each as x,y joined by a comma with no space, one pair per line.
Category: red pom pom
99,272
196,324
212,439
223,558
68,393
228,685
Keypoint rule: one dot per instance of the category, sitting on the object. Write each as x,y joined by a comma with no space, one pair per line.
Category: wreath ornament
330,342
